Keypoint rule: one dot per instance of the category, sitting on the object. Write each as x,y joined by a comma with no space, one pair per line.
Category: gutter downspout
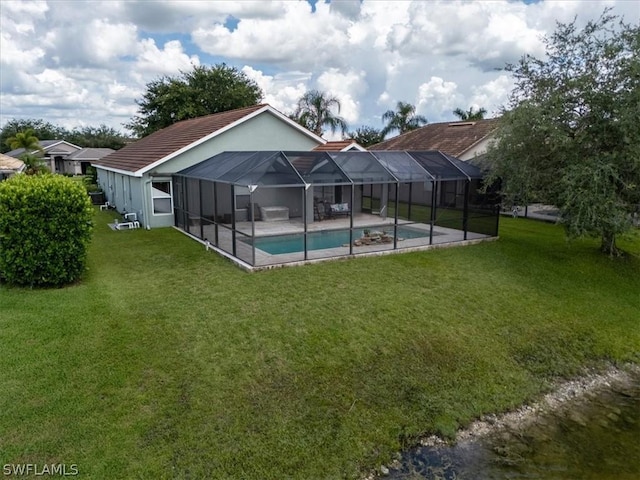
145,205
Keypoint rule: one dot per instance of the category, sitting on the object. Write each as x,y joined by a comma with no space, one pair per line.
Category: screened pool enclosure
269,208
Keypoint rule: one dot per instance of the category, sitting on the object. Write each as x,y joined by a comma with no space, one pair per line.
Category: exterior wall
61,149
63,166
122,191
282,197
71,167
478,149
264,132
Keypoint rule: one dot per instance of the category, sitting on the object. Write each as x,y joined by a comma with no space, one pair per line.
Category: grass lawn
169,362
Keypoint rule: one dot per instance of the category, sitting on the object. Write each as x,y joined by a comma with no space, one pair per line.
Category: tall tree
367,136
201,91
315,111
470,114
41,129
97,137
30,143
403,119
571,136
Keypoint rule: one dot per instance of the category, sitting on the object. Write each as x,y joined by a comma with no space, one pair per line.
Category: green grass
169,362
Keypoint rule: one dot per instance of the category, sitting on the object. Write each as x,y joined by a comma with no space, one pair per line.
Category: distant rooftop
452,138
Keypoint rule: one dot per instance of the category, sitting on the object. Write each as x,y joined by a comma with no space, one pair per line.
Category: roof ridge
239,109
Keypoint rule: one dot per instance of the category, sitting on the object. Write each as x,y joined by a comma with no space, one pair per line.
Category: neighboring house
465,140
340,146
54,154
78,161
138,177
9,166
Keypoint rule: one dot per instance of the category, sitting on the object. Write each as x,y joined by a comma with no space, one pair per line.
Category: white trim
58,143
266,108
170,197
117,170
356,146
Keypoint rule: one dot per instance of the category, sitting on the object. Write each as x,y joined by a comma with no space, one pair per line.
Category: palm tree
470,115
27,140
403,119
314,112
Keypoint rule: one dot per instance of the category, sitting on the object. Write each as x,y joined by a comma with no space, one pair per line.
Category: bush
45,229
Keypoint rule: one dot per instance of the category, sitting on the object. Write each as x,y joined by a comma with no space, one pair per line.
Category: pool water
320,240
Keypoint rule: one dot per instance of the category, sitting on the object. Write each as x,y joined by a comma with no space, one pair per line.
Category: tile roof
158,145
90,153
338,146
8,163
453,138
47,146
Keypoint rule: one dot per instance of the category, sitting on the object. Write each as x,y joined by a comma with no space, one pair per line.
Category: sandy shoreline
563,393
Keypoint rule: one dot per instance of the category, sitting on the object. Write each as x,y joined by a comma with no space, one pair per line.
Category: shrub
45,229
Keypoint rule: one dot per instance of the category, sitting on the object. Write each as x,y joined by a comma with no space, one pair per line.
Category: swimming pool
320,240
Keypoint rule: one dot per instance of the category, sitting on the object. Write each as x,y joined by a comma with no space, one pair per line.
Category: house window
161,198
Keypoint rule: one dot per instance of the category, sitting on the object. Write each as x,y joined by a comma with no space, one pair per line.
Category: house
9,166
465,140
54,153
138,177
77,162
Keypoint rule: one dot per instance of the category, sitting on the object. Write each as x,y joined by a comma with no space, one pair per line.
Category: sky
82,63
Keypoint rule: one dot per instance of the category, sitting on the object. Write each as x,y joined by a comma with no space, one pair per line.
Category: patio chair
319,211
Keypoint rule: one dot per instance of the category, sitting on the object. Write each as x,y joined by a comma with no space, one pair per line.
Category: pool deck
295,225
442,236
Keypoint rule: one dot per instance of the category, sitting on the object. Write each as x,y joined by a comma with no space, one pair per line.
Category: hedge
45,229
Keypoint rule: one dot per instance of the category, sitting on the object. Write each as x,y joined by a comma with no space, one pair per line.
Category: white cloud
13,53
184,16
106,41
281,91
492,95
348,88
168,61
439,55
299,38
437,95
96,42
25,9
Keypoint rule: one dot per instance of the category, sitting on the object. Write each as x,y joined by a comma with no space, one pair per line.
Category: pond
594,436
